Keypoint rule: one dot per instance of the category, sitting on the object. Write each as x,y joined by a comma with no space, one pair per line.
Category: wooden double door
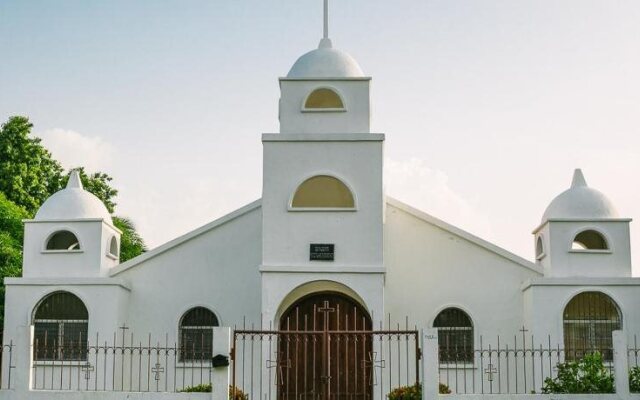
325,350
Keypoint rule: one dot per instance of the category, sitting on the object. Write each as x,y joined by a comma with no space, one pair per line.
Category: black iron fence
120,363
519,365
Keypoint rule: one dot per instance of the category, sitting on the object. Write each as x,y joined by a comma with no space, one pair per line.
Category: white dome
73,202
325,62
580,202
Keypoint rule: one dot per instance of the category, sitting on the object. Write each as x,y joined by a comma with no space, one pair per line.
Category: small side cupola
582,235
325,91
72,234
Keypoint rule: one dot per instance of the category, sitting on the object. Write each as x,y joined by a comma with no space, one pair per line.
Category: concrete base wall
54,395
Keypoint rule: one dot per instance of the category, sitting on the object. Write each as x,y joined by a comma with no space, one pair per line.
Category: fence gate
322,353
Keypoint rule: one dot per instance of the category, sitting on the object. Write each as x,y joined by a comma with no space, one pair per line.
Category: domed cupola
581,235
71,235
326,62
73,202
580,202
325,91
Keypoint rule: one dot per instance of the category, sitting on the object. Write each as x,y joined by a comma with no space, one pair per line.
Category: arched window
196,334
324,99
113,246
61,324
63,240
455,336
539,248
589,240
323,191
589,321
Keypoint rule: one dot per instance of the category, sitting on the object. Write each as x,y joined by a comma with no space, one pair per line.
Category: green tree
11,235
131,244
28,173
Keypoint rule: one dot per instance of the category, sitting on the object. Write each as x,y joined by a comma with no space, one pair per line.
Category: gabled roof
464,235
186,237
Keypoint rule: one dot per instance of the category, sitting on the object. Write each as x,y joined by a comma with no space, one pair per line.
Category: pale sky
488,106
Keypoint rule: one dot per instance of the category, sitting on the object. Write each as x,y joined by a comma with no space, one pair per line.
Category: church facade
323,232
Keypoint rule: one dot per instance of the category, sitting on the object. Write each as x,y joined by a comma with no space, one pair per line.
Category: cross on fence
157,370
490,370
87,369
279,363
373,363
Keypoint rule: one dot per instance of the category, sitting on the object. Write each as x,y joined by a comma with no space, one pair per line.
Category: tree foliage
131,244
28,172
587,375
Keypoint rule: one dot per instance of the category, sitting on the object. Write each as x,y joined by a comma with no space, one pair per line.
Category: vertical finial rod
326,20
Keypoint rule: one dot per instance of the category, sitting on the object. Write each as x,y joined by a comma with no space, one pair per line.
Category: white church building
323,238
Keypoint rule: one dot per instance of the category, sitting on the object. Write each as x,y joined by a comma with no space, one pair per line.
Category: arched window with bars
455,336
61,323
589,320
196,334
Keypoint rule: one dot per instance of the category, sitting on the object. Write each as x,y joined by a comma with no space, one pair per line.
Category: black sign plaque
321,252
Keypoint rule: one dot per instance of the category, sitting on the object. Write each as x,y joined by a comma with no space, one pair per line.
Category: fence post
621,363
430,377
220,375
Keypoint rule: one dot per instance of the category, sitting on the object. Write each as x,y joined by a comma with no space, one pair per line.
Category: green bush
206,388
634,380
413,392
587,375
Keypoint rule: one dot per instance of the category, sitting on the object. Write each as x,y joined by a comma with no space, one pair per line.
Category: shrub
634,380
587,375
413,392
206,388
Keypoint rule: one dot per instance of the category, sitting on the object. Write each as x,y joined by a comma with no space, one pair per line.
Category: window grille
589,321
323,191
61,324
196,334
455,336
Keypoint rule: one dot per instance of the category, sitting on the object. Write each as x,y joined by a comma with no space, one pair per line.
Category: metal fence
320,364
633,358
6,363
519,365
124,363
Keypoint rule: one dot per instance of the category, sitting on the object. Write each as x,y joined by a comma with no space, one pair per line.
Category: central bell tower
323,200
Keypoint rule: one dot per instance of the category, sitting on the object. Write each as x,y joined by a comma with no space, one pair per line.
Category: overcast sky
488,106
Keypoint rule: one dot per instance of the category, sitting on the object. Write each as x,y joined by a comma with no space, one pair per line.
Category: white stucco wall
430,269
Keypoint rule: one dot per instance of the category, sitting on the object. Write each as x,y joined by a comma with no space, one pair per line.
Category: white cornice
537,229
66,282
322,137
580,281
60,221
335,269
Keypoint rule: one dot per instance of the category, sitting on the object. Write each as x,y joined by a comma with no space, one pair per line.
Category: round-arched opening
539,248
589,320
196,334
589,240
63,241
323,99
61,323
323,192
311,329
455,335
113,246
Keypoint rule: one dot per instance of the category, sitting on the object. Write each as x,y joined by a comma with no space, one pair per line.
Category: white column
220,376
21,359
621,364
430,378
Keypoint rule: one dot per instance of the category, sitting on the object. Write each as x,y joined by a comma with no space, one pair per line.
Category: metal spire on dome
325,42
578,179
74,181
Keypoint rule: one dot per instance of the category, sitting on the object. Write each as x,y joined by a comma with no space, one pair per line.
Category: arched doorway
325,349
